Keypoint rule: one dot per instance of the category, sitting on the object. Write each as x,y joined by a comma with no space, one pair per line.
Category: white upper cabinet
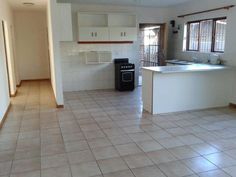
93,34
64,11
123,34
106,27
122,20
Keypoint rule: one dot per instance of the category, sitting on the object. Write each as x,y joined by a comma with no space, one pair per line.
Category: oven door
127,75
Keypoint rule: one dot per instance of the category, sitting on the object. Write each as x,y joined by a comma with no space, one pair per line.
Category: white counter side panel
147,87
178,92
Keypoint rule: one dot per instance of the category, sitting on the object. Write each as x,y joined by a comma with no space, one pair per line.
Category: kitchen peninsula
168,89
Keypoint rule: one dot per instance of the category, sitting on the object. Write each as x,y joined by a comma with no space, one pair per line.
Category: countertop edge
184,69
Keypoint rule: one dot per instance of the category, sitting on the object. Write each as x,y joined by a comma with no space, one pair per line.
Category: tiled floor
105,134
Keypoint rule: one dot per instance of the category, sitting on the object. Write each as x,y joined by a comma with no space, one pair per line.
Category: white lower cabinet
93,34
123,34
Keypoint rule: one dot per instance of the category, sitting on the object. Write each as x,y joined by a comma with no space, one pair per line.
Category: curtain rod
205,11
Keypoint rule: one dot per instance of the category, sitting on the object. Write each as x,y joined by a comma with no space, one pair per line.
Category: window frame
214,20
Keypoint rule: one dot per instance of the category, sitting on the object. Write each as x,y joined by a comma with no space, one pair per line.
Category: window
206,35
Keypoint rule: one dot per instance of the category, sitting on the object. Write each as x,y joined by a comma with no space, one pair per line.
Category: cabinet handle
121,34
96,34
92,34
124,33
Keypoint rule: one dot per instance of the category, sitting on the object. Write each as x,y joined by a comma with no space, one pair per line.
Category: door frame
6,56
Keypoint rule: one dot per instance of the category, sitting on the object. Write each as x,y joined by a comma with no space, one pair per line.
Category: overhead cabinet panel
111,27
92,20
122,20
123,34
93,34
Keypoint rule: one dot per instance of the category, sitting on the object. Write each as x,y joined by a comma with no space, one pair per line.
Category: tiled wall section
77,75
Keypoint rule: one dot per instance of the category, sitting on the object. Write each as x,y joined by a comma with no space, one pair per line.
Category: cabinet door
123,34
130,34
93,34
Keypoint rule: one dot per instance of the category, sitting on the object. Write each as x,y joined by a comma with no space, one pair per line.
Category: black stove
124,75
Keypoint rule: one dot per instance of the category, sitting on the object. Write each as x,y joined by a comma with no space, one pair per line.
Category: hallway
106,134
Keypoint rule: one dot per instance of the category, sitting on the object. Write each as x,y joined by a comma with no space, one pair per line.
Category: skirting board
60,106
13,95
5,116
19,84
232,105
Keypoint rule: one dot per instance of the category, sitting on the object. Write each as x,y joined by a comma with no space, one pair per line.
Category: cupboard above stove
107,28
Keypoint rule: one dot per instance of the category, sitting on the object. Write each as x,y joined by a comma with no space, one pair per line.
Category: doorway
151,38
6,55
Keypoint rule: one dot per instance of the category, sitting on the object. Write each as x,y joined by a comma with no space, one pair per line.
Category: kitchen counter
186,68
178,88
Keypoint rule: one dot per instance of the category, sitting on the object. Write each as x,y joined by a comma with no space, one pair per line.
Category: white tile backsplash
77,75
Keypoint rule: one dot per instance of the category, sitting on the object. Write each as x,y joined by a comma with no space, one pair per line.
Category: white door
93,34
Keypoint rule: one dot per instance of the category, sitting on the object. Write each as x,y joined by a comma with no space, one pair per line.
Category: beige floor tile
73,146
80,157
73,137
27,174
6,156
5,168
53,161
128,149
231,153
148,146
109,123
52,149
204,149
174,169
170,142
28,144
190,139
63,171
94,134
183,152
27,154
112,165
89,127
89,169
214,173
231,171
138,137
99,142
221,160
151,171
132,129
113,131
26,165
137,160
105,152
160,134
126,173
161,156
199,165
120,139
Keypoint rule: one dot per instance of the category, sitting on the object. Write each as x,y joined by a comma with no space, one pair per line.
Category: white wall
5,14
53,20
176,41
79,76
32,44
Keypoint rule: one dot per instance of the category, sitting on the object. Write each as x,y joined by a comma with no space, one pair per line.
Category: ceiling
38,4
156,3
